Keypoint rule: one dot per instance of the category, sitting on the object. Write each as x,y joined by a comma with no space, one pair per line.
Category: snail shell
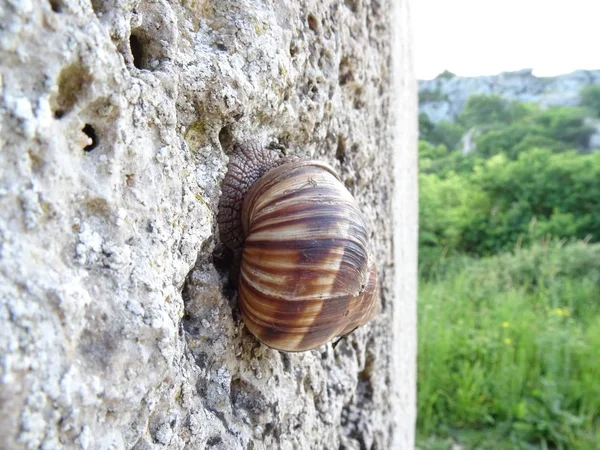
306,274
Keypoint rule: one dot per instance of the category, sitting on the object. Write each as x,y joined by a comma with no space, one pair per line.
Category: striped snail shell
305,272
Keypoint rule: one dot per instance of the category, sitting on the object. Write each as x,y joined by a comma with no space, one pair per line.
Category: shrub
446,74
444,132
484,110
426,127
431,96
500,203
447,133
567,125
590,99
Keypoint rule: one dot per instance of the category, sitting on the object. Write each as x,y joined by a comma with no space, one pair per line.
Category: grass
509,351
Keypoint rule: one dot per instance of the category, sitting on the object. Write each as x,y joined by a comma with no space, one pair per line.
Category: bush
532,195
566,125
431,96
446,74
493,110
447,133
590,99
426,127
443,133
501,203
430,151
504,139
447,206
534,140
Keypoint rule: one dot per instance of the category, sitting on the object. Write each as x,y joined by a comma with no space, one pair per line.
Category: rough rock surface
118,328
451,93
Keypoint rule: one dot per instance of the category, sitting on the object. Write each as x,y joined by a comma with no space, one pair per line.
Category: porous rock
118,326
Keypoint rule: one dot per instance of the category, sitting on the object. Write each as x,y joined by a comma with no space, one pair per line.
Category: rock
118,328
446,96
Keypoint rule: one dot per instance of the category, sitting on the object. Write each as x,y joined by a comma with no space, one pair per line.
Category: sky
486,37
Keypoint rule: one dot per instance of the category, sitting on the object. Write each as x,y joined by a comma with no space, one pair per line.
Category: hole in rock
226,138
340,152
346,74
313,23
91,133
352,5
56,5
137,51
99,6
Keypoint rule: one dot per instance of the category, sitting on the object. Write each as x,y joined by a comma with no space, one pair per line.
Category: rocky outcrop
118,327
444,97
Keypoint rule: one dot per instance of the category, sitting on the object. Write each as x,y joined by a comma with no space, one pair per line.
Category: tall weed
511,343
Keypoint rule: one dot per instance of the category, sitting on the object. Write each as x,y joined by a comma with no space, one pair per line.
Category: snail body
305,272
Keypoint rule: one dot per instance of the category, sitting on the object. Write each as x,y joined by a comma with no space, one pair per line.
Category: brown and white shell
306,275
301,258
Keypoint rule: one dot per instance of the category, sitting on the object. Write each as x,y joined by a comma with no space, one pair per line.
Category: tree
567,125
590,98
485,110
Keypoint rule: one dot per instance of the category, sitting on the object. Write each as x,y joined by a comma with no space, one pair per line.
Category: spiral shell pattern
306,274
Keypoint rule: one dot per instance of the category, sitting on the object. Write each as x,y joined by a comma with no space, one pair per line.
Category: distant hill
444,97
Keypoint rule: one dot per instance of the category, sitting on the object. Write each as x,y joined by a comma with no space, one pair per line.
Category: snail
300,242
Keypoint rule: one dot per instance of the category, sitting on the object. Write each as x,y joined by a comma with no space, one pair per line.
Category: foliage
492,110
447,133
566,125
431,96
500,203
590,98
509,317
534,140
426,127
509,127
508,345
446,74
430,151
444,132
556,129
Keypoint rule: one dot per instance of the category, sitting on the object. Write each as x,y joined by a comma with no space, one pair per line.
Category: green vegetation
500,202
431,96
446,74
509,304
509,345
512,127
590,98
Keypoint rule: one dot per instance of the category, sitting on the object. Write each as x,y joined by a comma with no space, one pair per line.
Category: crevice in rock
346,74
153,36
223,260
91,133
56,5
340,152
352,5
313,22
226,138
137,51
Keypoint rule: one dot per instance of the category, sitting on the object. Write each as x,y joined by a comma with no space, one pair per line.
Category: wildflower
562,312
505,324
507,341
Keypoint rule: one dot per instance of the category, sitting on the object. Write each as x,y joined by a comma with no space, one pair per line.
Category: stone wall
118,327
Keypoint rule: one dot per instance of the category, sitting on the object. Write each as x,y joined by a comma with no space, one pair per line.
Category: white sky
485,37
